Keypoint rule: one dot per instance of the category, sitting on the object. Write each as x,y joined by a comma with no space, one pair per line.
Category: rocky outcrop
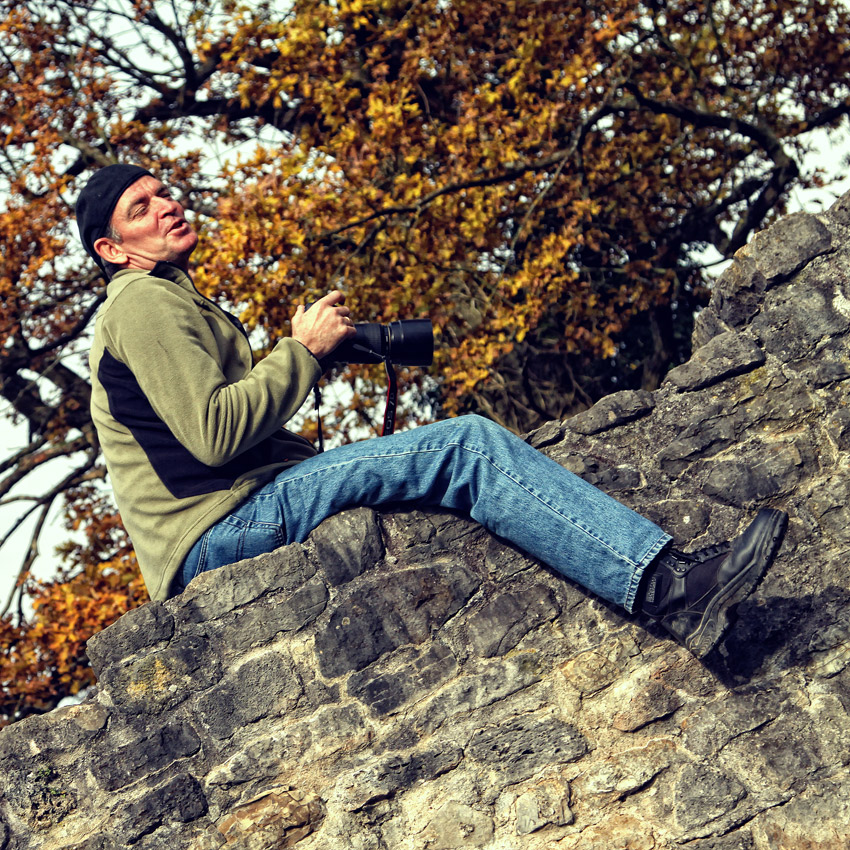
407,681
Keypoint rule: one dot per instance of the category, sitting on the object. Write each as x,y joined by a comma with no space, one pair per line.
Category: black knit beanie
97,202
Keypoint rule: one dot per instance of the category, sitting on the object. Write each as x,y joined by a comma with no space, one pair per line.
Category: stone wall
407,681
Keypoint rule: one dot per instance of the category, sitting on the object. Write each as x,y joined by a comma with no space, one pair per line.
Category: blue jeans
468,464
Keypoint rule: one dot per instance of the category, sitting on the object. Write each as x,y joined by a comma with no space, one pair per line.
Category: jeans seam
651,554
495,466
202,555
242,523
552,508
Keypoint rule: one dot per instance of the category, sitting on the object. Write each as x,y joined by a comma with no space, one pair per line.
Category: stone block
142,755
274,820
502,623
159,681
396,773
817,819
702,795
788,246
738,292
595,669
389,614
612,411
797,319
654,701
525,745
347,544
143,627
722,357
456,826
625,773
409,676
766,472
621,830
471,695
178,799
220,592
546,803
265,685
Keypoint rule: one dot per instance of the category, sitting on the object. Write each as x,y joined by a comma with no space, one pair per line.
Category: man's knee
477,430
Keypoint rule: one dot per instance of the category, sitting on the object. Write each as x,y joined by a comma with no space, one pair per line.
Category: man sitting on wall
205,474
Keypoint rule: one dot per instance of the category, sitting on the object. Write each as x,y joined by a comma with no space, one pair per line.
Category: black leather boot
691,594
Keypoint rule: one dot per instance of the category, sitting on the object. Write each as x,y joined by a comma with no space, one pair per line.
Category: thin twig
43,503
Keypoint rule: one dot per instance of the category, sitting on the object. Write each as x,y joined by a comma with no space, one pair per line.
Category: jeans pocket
234,539
231,539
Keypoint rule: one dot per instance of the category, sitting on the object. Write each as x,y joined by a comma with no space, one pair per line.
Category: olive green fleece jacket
189,426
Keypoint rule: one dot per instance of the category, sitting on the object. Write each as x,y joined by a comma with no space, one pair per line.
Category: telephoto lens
407,342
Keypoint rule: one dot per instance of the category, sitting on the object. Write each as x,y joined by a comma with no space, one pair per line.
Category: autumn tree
538,177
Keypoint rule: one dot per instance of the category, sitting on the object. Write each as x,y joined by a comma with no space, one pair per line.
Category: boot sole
756,548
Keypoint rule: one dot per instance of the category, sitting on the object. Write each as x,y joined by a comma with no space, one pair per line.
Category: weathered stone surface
386,615
456,826
789,246
273,820
519,749
347,544
736,298
502,623
616,409
406,681
263,686
722,357
144,627
547,803
142,755
160,680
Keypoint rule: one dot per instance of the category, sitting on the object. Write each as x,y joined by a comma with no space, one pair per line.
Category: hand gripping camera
406,342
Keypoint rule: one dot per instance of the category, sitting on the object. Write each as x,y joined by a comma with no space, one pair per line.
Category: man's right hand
324,326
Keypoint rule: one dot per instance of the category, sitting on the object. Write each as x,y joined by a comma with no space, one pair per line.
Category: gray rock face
406,681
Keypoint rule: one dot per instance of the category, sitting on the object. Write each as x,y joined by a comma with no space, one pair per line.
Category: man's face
151,226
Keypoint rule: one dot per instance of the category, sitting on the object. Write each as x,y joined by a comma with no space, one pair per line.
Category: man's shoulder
134,289
148,280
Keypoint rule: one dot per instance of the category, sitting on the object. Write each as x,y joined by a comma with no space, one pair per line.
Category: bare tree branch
33,457
79,327
42,504
784,172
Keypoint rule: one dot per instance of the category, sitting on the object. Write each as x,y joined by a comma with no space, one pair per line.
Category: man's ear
110,251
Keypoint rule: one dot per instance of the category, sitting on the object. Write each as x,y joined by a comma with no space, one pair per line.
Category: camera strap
317,395
392,398
389,411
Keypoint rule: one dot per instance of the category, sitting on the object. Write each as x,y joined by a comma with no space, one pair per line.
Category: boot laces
682,561
705,553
